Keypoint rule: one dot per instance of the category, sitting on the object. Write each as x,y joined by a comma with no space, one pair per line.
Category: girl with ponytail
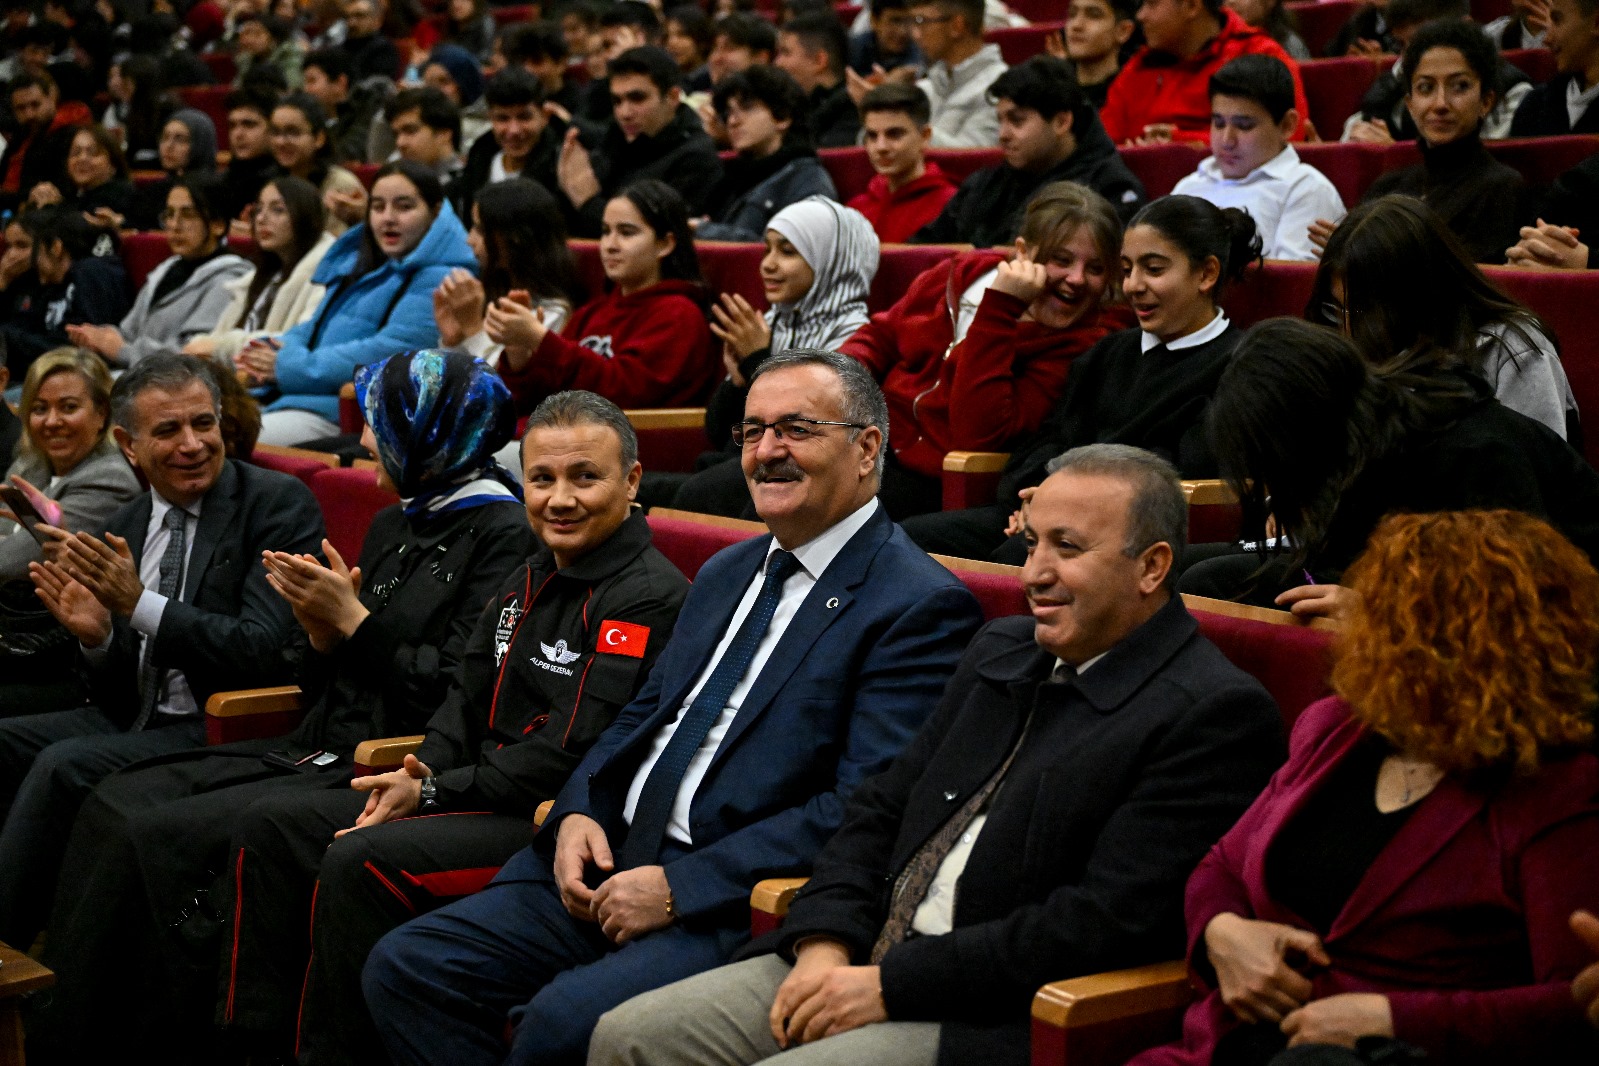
1148,387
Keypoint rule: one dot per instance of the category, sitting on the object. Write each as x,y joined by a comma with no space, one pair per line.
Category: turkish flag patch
623,638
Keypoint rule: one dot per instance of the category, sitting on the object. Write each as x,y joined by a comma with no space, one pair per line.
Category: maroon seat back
733,268
962,163
506,16
211,99
350,499
301,466
1268,291
142,253
1020,43
1333,88
1543,159
999,595
1537,63
898,266
1350,167
1319,22
1162,166
1291,661
689,544
1565,301
850,170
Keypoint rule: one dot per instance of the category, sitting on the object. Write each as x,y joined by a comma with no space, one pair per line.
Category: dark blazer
1125,778
1460,920
853,678
1542,112
228,629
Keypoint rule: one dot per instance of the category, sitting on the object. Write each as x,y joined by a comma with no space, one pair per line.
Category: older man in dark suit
1041,826
802,663
171,606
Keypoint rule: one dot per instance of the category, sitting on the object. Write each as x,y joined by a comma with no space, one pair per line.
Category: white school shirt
1283,195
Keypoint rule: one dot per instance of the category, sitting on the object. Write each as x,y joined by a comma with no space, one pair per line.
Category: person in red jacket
976,353
908,192
645,343
1163,93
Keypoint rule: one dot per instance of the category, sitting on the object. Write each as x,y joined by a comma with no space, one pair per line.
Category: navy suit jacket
227,629
851,681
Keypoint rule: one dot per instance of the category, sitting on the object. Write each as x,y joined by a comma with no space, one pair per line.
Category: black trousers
146,889
348,894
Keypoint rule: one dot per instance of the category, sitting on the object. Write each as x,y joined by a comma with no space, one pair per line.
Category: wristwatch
430,794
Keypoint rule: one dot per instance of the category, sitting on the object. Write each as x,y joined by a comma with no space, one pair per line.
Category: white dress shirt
175,698
814,558
1215,328
1283,195
1579,99
936,914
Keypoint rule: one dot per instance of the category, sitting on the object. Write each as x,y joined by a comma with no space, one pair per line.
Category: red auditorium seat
847,13
1161,166
962,163
350,498
1019,43
733,268
1268,291
1537,63
1350,167
850,170
1539,159
142,253
505,16
223,69
1565,301
901,264
1320,21
298,462
212,99
1038,10
1333,88
367,172
689,540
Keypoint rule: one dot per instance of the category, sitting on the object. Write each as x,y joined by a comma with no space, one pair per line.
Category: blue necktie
654,811
151,675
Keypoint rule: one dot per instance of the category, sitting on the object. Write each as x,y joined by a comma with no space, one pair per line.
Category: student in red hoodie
908,191
1163,93
977,351
645,343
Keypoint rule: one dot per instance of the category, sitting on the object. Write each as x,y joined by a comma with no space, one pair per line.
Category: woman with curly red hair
1410,871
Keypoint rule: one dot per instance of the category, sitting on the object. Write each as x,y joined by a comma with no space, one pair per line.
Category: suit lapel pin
832,603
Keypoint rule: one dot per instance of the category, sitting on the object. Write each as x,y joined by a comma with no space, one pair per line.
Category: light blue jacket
383,312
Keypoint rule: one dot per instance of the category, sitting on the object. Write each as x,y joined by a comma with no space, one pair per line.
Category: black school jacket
1126,777
553,658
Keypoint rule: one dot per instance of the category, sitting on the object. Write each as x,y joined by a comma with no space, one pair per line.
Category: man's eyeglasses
925,20
747,434
1334,313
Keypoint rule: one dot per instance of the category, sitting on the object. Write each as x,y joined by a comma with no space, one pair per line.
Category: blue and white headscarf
438,417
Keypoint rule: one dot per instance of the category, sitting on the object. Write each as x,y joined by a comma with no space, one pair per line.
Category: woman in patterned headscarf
820,260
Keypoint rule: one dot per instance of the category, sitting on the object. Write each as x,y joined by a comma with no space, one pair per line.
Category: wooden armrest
347,391
773,895
742,524
975,462
1256,614
251,701
667,418
20,974
1120,995
325,458
1208,493
386,753
543,812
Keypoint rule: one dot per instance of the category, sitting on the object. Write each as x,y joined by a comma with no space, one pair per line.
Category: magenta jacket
1461,920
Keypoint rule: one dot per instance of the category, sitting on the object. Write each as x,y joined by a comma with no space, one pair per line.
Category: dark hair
579,408
1402,13
694,24
880,6
772,88
524,234
633,13
652,61
307,216
1201,230
533,42
334,63
513,87
46,225
29,79
746,30
317,119
1298,416
820,31
209,193
972,12
1464,37
166,371
431,106
108,144
1264,79
1043,84
665,212
897,96
275,27
249,100
589,11
148,106
428,187
1397,244
265,78
1158,511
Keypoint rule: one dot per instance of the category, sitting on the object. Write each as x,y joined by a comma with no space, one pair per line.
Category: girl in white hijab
820,260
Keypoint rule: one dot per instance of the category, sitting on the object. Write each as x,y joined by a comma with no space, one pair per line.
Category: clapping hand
73,605
742,329
574,171
458,307
325,599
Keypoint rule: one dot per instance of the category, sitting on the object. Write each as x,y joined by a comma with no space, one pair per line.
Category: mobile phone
23,508
299,761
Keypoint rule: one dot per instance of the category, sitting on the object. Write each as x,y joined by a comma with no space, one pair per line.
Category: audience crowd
464,247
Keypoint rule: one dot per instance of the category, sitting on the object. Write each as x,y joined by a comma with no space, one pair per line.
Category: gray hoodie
188,311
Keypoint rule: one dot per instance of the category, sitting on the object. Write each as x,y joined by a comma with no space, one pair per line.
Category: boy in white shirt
1252,165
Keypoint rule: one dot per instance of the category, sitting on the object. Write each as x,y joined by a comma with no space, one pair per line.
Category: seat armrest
1107,1018
542,813
252,713
667,418
971,478
1214,514
1208,492
385,754
769,902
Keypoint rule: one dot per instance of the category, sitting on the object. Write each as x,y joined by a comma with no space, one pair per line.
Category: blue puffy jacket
383,312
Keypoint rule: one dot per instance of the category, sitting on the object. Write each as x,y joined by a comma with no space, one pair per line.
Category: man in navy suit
169,607
802,663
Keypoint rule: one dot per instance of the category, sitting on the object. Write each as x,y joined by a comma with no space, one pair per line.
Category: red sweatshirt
897,215
1157,87
993,387
650,349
